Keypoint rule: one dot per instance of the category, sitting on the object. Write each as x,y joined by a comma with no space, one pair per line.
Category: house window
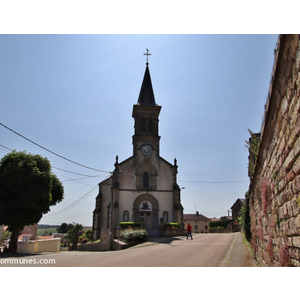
166,217
196,227
145,180
126,216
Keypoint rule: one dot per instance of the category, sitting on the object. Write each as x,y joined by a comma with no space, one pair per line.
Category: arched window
146,175
165,217
145,180
126,216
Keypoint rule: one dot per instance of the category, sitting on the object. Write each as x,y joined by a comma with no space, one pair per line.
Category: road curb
226,259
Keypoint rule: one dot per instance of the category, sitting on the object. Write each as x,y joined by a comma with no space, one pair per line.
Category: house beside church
199,223
236,208
143,188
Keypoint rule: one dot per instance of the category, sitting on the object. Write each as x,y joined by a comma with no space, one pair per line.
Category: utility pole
111,227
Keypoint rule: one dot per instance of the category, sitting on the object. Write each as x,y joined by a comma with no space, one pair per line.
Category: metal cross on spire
147,55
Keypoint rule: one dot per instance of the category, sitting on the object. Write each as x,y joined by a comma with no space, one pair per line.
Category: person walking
189,231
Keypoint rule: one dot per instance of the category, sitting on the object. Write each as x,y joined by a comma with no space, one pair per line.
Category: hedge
171,225
129,224
222,224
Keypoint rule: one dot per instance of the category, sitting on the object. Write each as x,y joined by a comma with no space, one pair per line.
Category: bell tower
145,114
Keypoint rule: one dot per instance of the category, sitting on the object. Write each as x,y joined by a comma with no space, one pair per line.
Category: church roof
146,97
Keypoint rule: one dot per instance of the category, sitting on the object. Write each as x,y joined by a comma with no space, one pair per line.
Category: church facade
142,188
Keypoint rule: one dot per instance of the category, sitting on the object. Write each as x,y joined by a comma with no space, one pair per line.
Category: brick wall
275,185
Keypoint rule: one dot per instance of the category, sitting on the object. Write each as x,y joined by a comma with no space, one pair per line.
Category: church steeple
145,114
146,97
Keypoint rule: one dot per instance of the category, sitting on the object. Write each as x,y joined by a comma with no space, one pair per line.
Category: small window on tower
150,125
143,128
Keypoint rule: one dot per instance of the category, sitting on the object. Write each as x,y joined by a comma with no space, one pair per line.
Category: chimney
197,213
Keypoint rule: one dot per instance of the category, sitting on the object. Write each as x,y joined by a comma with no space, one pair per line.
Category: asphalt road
205,250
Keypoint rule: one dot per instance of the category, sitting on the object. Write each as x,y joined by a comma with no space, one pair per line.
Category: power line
69,160
73,172
73,204
68,217
185,181
69,179
199,181
6,148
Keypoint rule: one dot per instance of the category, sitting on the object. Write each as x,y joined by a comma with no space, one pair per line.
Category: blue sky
74,94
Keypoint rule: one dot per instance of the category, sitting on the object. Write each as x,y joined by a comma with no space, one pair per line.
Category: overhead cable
73,204
69,160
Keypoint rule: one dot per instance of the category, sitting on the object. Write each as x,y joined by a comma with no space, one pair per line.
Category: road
205,250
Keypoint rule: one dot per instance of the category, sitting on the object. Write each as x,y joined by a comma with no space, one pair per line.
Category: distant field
41,231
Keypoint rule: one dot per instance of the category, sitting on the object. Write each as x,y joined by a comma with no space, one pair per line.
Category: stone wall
103,245
275,185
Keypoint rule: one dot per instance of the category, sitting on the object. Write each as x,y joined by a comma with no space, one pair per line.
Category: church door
148,220
145,210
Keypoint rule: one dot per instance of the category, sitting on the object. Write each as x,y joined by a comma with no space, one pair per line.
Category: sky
74,94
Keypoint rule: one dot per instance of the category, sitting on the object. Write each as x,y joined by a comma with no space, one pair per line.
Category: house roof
45,237
195,217
239,200
29,236
214,219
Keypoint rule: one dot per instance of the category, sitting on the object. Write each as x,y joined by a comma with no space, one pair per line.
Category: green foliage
41,231
6,235
219,224
246,220
134,235
253,146
64,227
87,236
171,225
28,189
129,224
73,235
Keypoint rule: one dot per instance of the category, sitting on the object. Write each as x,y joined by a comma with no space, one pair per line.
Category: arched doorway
145,210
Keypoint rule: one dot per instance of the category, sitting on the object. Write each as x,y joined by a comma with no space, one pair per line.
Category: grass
41,231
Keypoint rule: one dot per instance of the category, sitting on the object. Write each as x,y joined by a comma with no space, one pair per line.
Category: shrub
129,224
223,224
171,225
84,241
134,235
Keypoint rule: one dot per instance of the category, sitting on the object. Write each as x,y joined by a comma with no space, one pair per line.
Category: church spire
146,97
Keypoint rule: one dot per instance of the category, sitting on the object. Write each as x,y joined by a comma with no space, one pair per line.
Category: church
143,188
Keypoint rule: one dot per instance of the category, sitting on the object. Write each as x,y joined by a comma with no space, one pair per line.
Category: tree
73,235
63,228
27,190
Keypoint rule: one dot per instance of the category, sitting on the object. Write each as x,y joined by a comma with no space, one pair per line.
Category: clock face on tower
146,150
